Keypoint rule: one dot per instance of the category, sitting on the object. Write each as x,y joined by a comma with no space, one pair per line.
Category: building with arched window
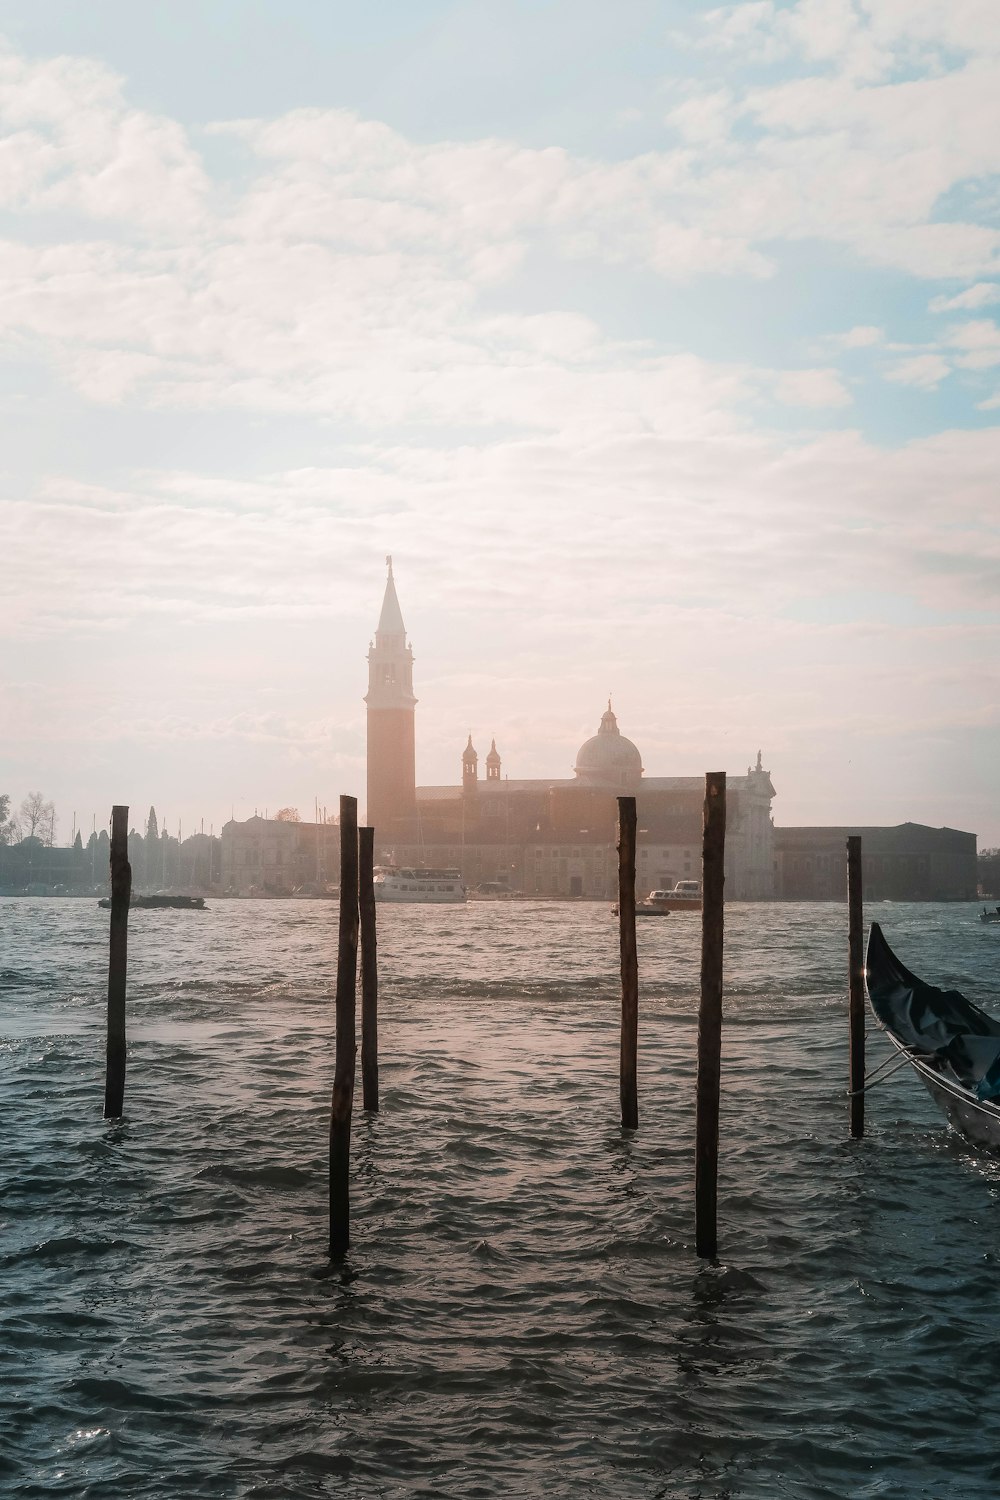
553,837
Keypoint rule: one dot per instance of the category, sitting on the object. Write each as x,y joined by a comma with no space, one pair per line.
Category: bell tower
470,768
391,744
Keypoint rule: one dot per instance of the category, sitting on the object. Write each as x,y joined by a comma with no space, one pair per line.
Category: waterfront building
548,836
908,863
277,857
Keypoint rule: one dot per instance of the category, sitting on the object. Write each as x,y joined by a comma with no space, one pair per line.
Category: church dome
608,758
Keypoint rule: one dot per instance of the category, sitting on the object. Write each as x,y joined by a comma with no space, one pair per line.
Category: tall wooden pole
856,973
629,963
121,894
343,1075
710,1015
369,969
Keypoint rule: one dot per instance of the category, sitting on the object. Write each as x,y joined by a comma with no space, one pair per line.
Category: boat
684,896
951,1043
429,887
989,916
156,903
650,906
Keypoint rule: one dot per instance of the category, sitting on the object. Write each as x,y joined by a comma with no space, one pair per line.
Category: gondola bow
951,1043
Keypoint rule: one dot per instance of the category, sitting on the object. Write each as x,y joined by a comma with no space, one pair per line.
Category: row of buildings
545,837
556,837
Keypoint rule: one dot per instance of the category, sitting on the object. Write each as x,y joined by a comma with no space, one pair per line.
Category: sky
658,343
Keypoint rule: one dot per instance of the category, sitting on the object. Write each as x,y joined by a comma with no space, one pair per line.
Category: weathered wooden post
346,1048
629,963
369,970
121,894
856,977
710,1015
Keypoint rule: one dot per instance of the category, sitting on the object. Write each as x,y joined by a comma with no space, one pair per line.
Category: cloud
863,336
348,274
979,340
980,295
72,142
924,371
816,388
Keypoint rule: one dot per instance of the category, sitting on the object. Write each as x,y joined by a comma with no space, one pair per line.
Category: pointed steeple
390,660
390,621
390,703
470,767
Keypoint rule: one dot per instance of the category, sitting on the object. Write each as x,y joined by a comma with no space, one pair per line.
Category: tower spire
390,703
390,621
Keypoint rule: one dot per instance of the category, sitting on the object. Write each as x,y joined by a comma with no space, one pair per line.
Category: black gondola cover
941,1027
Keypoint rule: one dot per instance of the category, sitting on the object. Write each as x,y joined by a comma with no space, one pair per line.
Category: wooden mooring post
369,969
629,963
856,980
121,894
346,1047
710,1016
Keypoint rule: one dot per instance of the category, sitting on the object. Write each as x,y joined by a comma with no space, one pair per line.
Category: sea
522,1312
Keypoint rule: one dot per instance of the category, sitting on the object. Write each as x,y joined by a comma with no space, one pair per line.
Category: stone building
552,837
907,863
272,857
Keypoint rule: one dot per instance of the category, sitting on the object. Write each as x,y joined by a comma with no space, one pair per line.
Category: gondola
951,1043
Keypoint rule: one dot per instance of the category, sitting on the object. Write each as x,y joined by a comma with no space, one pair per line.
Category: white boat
649,906
419,885
684,896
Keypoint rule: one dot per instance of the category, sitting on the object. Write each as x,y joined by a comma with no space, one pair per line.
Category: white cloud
862,336
979,341
924,371
981,295
703,117
346,276
72,142
816,388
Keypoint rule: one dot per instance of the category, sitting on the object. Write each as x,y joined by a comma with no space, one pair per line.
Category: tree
287,815
37,818
7,831
152,828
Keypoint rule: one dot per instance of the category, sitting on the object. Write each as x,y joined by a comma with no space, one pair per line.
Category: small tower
493,763
390,701
470,768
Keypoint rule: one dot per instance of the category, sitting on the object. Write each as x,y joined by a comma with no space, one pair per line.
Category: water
522,1313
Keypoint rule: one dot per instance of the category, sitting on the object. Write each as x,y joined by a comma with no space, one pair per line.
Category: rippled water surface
522,1312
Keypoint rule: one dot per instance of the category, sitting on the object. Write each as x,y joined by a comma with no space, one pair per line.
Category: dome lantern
608,759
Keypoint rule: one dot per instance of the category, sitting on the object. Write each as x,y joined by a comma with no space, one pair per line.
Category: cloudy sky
659,344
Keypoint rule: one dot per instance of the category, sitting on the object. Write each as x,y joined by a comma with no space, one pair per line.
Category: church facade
545,837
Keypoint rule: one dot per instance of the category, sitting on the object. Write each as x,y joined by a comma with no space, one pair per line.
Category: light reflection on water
522,1312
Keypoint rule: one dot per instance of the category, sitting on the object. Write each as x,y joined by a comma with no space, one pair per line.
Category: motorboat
649,906
989,916
684,895
429,887
952,1044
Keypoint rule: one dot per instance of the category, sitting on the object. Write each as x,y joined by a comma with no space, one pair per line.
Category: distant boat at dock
155,903
424,886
